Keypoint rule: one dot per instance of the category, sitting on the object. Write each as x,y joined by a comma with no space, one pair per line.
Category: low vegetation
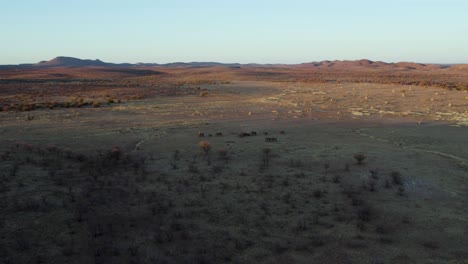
109,207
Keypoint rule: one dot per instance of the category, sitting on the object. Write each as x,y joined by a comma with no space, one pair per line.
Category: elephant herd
244,134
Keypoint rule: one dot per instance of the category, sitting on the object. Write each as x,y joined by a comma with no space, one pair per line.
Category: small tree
223,154
396,178
115,153
205,146
359,158
176,155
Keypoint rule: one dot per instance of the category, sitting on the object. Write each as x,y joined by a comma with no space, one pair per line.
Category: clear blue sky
263,31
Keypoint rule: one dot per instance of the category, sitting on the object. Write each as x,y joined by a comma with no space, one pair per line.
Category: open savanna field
329,163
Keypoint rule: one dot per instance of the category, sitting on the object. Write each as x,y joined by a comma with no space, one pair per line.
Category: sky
244,31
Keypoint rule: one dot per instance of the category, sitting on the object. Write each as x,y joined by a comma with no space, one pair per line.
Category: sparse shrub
14,170
361,226
28,147
372,185
26,108
296,163
382,229
285,182
223,154
133,250
430,245
205,146
365,213
396,178
5,155
116,153
67,250
204,93
387,184
323,178
316,217
359,158
318,242
96,104
300,226
358,243
217,169
193,168
286,198
22,243
300,175
173,165
51,148
176,155
356,201
80,157
386,240
67,153
336,208
266,156
202,187
318,193
401,191
336,179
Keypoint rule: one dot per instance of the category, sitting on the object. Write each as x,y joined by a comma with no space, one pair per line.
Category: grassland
367,167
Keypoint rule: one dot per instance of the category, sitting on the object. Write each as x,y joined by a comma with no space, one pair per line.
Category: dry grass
127,183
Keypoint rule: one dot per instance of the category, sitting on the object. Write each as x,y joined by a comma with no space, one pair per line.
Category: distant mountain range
75,62
62,61
70,62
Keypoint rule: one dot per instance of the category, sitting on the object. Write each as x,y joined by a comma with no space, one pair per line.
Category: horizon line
221,62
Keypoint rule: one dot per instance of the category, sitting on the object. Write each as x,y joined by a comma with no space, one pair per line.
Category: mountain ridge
64,61
71,62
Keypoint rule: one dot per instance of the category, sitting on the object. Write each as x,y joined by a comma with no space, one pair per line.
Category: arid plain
330,162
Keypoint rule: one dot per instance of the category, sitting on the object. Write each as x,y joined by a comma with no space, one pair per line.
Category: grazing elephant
219,134
201,134
271,140
244,134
